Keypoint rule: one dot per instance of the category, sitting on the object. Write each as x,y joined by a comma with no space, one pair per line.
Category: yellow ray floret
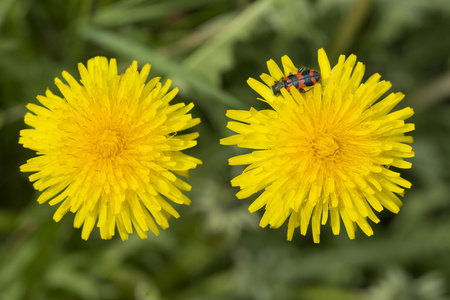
324,154
109,149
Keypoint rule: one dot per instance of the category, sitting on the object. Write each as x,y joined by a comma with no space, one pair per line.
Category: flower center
325,146
109,143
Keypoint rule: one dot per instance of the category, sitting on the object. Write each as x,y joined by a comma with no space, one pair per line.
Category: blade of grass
5,7
349,28
196,37
216,55
127,12
121,44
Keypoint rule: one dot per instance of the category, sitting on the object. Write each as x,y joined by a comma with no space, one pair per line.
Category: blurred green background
216,249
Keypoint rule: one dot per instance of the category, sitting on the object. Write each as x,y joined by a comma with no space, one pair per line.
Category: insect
302,79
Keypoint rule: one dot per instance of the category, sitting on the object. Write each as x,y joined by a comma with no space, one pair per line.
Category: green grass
216,249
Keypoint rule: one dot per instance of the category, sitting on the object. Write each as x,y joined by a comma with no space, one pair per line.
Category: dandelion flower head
325,154
110,149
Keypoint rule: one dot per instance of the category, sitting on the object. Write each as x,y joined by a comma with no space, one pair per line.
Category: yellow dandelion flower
324,154
111,149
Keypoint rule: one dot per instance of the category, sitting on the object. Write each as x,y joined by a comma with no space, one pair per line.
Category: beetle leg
304,91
